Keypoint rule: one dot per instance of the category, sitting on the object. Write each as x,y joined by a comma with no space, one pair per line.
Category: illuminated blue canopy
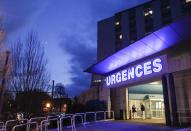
156,42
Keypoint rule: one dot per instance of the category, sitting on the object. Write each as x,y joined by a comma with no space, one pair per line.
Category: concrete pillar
127,103
173,104
104,95
166,100
119,102
170,100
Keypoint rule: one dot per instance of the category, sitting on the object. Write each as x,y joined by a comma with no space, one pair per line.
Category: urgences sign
147,69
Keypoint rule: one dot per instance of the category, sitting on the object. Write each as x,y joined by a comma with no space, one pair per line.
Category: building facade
128,26
141,46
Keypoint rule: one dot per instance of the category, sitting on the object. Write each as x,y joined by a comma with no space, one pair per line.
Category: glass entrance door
157,109
154,108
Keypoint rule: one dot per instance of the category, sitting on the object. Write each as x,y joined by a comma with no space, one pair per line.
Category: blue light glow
156,42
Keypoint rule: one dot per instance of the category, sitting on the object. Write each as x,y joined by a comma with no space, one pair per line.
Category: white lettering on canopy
124,75
138,71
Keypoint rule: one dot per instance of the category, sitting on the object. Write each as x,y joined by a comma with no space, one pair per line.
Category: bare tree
4,65
28,66
60,91
2,32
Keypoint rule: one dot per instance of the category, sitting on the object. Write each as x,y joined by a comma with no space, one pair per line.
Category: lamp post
48,105
52,89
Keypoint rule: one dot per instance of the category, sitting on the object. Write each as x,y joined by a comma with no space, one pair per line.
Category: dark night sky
67,29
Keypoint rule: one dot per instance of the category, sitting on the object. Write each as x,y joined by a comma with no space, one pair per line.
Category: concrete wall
183,89
140,22
175,8
182,82
90,94
119,102
104,95
100,93
125,27
106,28
179,85
179,62
157,16
106,38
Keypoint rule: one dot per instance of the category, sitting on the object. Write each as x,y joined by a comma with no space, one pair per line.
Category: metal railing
71,122
57,122
2,126
29,127
43,123
78,115
25,126
98,113
110,115
12,123
37,120
19,126
87,114
68,114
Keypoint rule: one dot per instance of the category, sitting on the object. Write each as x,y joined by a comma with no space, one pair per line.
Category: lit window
150,12
97,81
147,13
168,7
120,36
188,1
117,23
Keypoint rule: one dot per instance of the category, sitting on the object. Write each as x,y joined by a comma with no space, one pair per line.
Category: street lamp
48,105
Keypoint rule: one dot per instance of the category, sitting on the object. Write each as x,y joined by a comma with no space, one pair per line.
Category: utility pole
60,101
52,89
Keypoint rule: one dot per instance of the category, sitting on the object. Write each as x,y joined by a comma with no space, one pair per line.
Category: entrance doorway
146,102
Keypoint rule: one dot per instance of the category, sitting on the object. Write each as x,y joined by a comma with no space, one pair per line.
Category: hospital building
144,58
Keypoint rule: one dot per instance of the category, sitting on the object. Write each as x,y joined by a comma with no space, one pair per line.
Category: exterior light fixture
154,83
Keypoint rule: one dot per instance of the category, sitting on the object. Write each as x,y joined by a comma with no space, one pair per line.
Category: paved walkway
122,126
148,121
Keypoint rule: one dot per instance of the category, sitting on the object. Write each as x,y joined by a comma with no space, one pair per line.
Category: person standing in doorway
143,111
133,111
